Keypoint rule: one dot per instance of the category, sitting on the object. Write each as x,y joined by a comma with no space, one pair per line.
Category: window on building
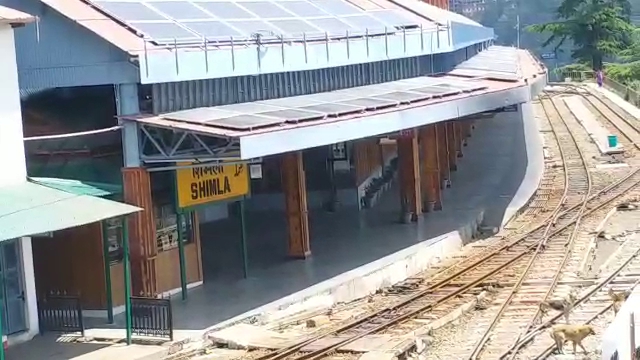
113,231
167,230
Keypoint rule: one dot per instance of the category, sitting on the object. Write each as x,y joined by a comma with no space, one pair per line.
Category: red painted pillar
409,173
443,154
142,232
295,194
452,145
430,168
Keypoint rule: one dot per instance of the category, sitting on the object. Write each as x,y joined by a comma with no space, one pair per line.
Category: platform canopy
14,17
29,208
185,40
492,79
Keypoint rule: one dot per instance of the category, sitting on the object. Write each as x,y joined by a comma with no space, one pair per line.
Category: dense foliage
597,29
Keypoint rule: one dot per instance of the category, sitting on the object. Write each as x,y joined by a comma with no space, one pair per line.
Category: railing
623,91
578,76
151,317
61,313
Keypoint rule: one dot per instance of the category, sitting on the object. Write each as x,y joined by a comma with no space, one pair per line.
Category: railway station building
253,134
30,208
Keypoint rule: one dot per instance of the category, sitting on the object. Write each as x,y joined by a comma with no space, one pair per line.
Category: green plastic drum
613,141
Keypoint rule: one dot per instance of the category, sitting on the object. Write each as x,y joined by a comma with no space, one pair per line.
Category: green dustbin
613,141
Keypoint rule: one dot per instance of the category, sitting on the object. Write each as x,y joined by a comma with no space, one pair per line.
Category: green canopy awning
29,208
78,187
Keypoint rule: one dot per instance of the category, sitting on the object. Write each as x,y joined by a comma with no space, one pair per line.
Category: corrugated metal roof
11,16
121,33
434,13
29,208
205,120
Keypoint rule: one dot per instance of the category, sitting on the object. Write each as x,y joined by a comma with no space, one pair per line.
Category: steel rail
512,352
554,282
285,352
614,111
541,246
584,298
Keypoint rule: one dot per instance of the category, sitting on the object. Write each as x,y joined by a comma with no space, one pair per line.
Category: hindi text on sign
203,184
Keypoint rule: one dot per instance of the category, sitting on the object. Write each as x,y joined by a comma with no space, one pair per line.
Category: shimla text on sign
211,187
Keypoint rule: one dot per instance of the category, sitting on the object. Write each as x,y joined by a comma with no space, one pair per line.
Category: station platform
357,252
354,253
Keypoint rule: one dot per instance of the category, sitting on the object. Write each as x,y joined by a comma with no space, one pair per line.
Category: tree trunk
596,61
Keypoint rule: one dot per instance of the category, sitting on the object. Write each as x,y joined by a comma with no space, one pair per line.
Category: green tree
596,28
627,70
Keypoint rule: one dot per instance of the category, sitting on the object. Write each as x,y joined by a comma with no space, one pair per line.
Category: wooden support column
443,154
452,140
295,194
430,175
142,231
457,126
467,128
409,172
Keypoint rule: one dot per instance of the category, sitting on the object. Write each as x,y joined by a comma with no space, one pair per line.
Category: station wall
59,53
175,96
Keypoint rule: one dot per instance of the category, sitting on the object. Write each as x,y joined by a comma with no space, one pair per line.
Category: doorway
13,300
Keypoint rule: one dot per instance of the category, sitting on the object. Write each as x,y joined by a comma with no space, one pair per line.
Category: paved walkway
617,100
52,347
489,175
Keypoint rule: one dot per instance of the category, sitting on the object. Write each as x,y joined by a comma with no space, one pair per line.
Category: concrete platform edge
365,280
535,165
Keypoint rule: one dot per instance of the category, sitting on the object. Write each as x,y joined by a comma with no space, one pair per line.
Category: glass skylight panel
295,27
394,18
166,31
212,29
180,10
250,27
332,25
225,10
215,19
129,11
265,9
303,8
336,7
364,22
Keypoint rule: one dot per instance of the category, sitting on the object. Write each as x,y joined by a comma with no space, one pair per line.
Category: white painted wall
31,302
12,157
535,162
617,336
14,167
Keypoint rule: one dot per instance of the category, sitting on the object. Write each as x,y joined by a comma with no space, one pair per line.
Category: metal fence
578,76
623,91
60,313
151,317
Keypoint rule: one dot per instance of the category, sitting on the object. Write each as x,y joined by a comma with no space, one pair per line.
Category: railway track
595,302
510,256
625,125
520,308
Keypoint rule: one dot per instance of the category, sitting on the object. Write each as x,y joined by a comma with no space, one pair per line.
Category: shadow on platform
50,347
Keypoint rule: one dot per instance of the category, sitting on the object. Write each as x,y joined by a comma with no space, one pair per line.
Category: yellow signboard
203,184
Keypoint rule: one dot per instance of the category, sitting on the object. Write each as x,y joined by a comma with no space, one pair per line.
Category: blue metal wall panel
176,96
66,54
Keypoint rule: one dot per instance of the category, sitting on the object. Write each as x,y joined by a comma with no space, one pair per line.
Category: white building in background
18,293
